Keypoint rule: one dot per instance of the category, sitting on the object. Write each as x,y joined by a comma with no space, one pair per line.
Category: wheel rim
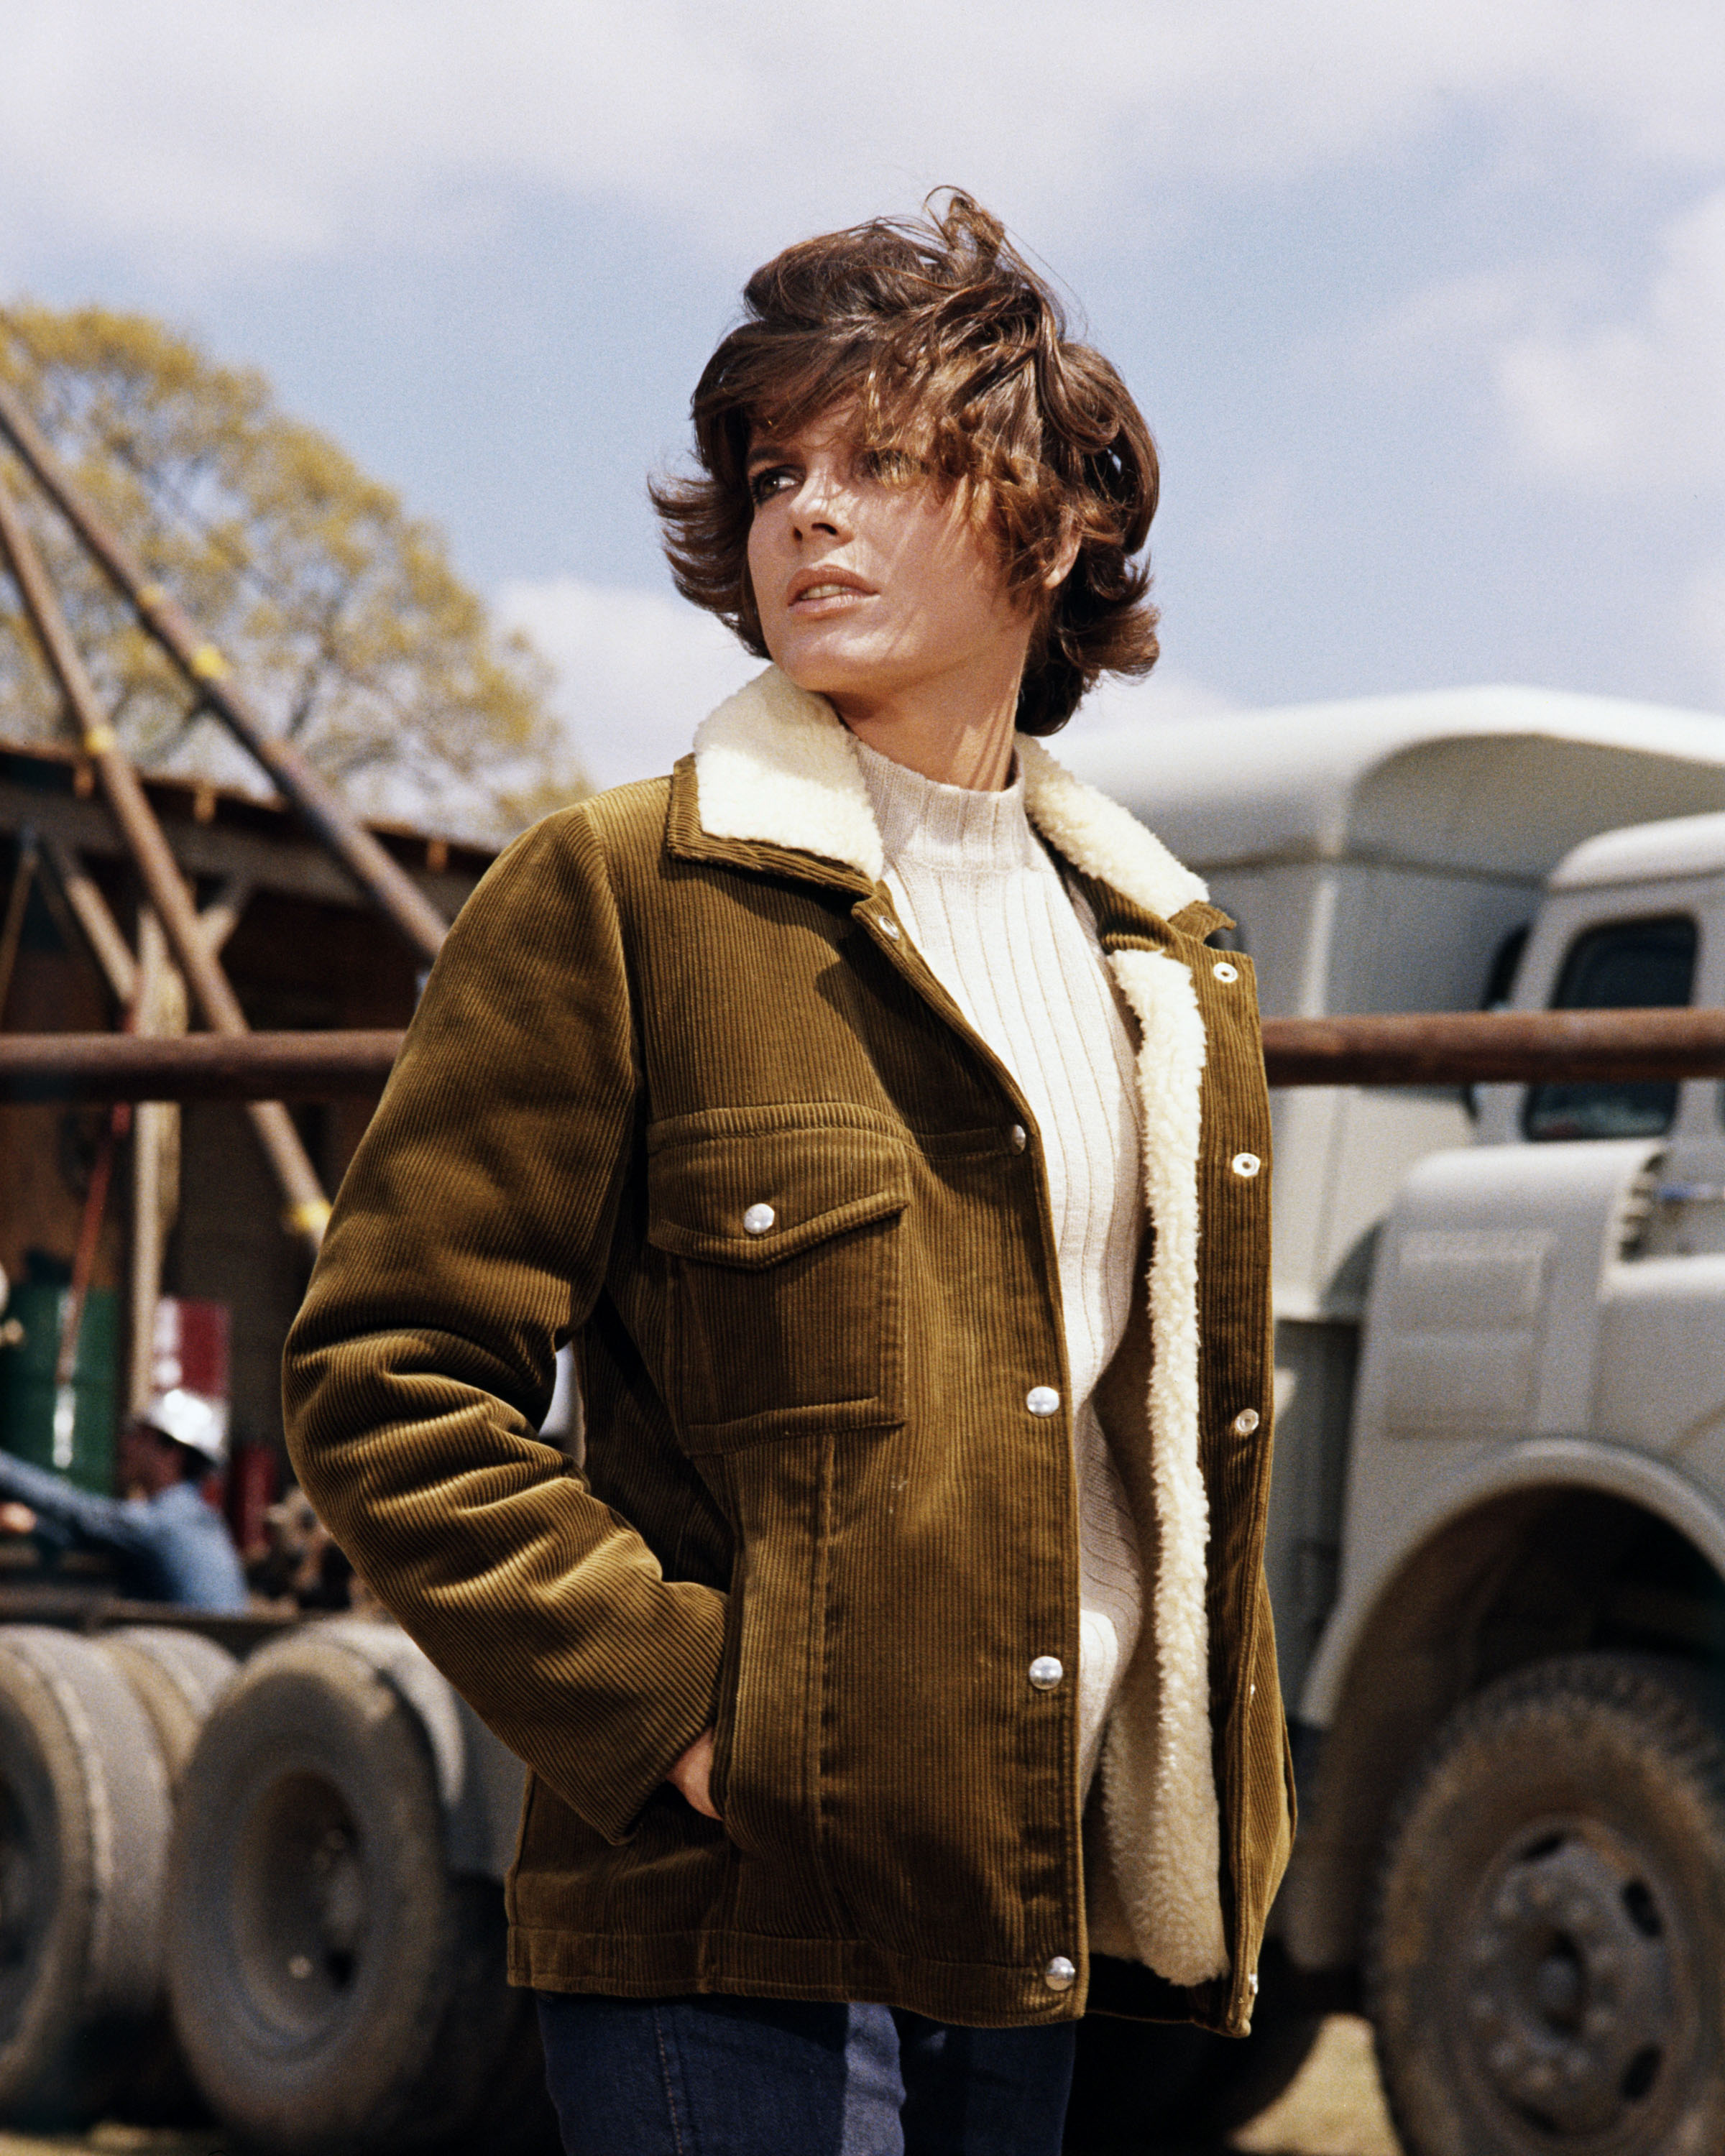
1575,1998
301,1904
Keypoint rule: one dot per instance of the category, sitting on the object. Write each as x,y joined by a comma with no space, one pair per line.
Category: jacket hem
684,1965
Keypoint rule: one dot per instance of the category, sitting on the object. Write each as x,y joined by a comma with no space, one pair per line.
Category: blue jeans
721,2076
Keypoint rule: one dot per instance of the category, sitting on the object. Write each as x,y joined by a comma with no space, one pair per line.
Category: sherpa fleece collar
776,766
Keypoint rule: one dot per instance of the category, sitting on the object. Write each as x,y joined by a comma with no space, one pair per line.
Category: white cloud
254,132
1115,706
1704,617
637,670
1639,400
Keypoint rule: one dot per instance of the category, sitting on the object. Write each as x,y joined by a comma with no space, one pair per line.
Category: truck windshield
1623,965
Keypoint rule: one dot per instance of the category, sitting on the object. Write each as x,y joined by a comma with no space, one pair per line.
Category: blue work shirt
170,1548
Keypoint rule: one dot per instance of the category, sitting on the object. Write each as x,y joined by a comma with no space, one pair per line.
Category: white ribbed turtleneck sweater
976,889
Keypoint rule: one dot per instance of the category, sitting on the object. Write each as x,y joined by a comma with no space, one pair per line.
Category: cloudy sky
1425,299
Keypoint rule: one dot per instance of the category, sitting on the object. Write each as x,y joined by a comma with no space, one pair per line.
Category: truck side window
1641,965
1501,975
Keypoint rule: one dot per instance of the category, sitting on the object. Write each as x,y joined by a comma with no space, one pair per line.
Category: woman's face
870,586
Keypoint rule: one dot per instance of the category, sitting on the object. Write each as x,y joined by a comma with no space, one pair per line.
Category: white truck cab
1497,1536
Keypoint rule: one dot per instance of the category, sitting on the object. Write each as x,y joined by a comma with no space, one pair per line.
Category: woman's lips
826,594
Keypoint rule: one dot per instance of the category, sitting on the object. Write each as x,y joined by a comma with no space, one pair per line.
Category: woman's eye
771,481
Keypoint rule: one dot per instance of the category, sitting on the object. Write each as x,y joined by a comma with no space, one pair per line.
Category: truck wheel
334,1986
84,1829
1547,1951
1138,2083
177,1677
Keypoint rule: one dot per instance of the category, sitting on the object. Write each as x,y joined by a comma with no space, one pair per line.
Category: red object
190,1348
253,1483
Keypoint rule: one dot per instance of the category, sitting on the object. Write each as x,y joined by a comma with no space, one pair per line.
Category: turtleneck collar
957,829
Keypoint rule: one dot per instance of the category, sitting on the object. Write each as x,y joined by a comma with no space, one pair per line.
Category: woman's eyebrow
768,452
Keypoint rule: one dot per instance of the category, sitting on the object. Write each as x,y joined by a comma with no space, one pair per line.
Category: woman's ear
1063,561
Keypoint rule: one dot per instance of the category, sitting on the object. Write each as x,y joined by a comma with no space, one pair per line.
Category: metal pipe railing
193,1066
1426,1048
1494,1047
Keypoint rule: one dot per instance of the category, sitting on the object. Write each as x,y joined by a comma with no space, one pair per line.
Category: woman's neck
945,730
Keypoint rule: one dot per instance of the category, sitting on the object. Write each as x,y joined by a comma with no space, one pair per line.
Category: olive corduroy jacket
681,1088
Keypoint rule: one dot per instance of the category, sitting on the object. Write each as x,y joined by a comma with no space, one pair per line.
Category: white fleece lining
1159,1790
776,766
1100,837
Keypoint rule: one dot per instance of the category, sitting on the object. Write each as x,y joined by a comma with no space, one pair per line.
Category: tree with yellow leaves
342,614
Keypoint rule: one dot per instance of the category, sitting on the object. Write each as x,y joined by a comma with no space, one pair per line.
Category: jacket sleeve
470,1234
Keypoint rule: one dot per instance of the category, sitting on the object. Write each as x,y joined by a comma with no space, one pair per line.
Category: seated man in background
167,1543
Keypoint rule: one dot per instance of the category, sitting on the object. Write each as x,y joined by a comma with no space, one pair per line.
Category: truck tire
1136,2084
177,1677
335,1985
1546,1958
84,1831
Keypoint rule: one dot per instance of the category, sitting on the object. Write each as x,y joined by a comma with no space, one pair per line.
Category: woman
865,1103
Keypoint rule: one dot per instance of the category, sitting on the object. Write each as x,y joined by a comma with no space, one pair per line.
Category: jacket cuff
611,1791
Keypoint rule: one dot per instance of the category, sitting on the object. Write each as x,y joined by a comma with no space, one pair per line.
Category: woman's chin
826,672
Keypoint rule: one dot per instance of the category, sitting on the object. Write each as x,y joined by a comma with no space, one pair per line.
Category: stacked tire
92,1736
273,1892
334,1933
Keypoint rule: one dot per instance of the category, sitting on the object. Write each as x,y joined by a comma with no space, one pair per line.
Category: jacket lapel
774,784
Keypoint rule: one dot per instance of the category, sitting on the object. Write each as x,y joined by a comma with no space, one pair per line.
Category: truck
1497,1543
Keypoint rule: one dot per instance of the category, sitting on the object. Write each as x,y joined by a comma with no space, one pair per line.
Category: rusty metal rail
193,1066
1487,1048
1441,1048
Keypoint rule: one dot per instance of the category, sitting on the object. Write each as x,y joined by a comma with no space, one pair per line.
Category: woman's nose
819,508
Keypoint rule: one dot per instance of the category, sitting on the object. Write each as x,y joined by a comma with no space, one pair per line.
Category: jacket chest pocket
786,1290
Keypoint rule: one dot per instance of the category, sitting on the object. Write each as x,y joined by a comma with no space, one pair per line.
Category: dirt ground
1334,2109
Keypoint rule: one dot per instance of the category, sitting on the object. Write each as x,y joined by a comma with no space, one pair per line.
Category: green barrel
83,1445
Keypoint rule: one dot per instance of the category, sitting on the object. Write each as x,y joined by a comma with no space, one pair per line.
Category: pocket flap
752,1200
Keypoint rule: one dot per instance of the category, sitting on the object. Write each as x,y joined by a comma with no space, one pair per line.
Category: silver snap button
1043,1400
1246,1164
1245,1422
758,1220
1224,972
1020,1138
889,929
1046,1672
1060,1975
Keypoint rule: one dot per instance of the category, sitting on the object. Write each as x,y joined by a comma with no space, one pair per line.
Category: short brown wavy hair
951,348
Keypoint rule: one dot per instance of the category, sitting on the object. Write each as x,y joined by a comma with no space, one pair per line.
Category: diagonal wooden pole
306,1208
376,872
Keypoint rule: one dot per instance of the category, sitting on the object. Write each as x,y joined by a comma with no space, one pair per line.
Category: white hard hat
192,1419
